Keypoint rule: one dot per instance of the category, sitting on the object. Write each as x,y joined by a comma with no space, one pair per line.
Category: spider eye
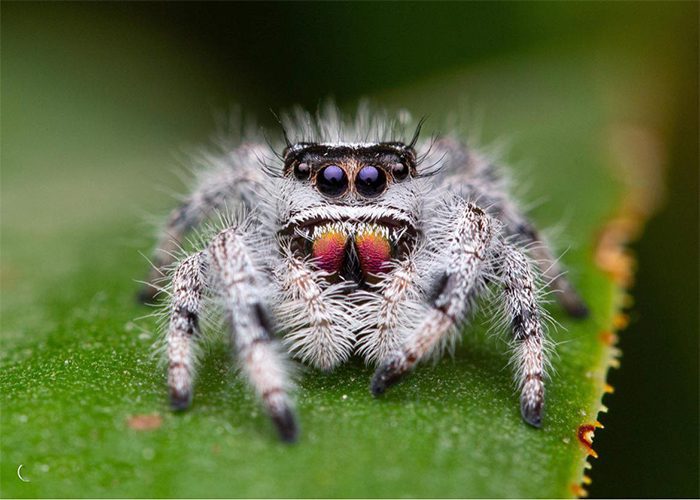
370,181
302,171
400,171
332,180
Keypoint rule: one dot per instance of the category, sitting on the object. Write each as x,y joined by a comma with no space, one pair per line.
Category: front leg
478,250
391,308
240,287
462,278
319,319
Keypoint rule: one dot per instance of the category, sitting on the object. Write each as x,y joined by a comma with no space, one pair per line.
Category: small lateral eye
302,171
399,170
332,181
370,181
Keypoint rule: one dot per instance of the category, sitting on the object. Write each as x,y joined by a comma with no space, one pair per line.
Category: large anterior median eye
332,181
370,181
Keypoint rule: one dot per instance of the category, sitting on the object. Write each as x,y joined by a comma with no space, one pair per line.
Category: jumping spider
349,246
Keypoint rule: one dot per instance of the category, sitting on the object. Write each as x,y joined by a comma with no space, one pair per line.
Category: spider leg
183,329
240,286
319,320
231,180
394,305
474,177
551,269
524,314
462,279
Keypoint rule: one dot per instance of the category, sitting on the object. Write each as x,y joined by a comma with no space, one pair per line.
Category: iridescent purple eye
370,181
332,181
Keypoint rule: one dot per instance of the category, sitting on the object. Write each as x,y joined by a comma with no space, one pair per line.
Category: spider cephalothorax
357,227
349,246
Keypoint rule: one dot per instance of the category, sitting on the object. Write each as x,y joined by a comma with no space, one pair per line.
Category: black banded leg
242,294
179,223
224,187
419,345
183,329
525,317
552,272
474,177
471,238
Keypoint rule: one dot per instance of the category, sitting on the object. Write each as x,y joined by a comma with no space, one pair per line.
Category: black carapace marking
316,154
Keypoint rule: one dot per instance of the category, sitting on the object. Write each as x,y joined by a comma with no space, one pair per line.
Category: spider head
351,207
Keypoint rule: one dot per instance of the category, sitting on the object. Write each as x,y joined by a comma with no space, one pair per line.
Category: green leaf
79,381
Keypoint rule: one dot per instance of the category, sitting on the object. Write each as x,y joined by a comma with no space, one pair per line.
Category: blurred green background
75,75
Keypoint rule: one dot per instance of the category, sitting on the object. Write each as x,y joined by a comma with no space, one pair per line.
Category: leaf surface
83,396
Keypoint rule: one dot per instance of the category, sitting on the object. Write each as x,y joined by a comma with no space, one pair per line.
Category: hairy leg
475,178
462,278
551,269
183,329
242,293
524,315
318,319
389,314
232,180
